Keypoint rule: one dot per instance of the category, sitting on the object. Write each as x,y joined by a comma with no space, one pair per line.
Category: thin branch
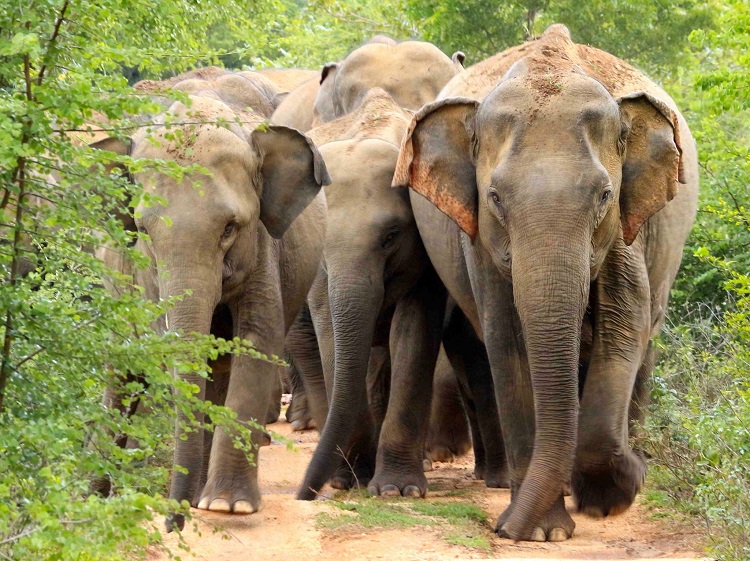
51,43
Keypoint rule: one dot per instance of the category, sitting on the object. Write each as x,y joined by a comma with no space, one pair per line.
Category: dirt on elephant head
379,116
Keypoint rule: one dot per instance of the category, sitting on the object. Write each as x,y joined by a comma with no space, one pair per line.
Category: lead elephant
558,191
242,250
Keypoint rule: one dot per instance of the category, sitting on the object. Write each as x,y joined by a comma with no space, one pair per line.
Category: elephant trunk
551,278
355,305
192,314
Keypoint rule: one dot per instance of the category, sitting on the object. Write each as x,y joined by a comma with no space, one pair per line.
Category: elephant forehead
359,164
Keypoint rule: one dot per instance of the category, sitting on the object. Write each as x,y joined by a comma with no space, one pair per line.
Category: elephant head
544,175
412,72
204,241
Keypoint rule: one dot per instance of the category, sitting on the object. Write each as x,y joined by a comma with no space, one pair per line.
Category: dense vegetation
65,64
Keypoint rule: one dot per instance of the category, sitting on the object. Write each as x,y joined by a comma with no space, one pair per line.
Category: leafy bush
700,421
63,336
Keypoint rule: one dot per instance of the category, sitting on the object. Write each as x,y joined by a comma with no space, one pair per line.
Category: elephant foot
305,424
354,476
494,476
274,410
555,526
442,453
174,522
234,493
392,483
608,492
445,445
298,413
227,505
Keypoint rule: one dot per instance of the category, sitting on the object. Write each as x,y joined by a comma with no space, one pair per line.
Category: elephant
296,109
554,186
243,250
376,306
286,79
412,72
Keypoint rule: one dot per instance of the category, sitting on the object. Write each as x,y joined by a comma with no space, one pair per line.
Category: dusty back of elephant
412,72
285,79
246,90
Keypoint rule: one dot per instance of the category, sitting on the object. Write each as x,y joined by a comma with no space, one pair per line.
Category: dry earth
290,529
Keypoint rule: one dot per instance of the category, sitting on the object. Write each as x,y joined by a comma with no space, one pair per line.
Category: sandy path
287,529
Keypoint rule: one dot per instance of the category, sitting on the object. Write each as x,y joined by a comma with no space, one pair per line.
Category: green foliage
701,417
63,336
651,34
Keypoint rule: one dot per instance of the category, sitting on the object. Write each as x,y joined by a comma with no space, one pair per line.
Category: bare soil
289,529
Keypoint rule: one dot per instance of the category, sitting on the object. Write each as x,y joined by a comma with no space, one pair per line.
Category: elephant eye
389,238
495,197
229,229
606,195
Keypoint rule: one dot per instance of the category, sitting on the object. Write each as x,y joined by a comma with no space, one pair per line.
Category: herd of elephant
511,230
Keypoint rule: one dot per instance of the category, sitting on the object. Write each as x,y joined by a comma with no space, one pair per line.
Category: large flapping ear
121,147
652,166
437,161
292,172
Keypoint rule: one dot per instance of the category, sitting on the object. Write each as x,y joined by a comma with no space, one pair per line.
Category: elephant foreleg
607,473
414,342
232,484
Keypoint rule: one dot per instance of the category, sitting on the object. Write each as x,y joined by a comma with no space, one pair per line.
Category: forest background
63,337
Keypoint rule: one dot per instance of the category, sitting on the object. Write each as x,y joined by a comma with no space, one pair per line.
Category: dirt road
447,525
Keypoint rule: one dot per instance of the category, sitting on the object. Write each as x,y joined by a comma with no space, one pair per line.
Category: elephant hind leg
641,391
448,437
468,358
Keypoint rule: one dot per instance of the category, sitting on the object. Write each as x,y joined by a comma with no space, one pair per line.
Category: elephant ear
292,173
326,107
652,166
437,159
121,147
458,59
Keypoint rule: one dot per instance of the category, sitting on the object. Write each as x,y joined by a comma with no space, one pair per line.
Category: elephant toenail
412,491
390,491
557,535
426,465
203,504
538,535
220,505
243,507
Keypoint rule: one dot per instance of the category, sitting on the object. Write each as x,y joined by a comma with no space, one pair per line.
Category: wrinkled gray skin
247,245
377,306
574,180
412,72
373,290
